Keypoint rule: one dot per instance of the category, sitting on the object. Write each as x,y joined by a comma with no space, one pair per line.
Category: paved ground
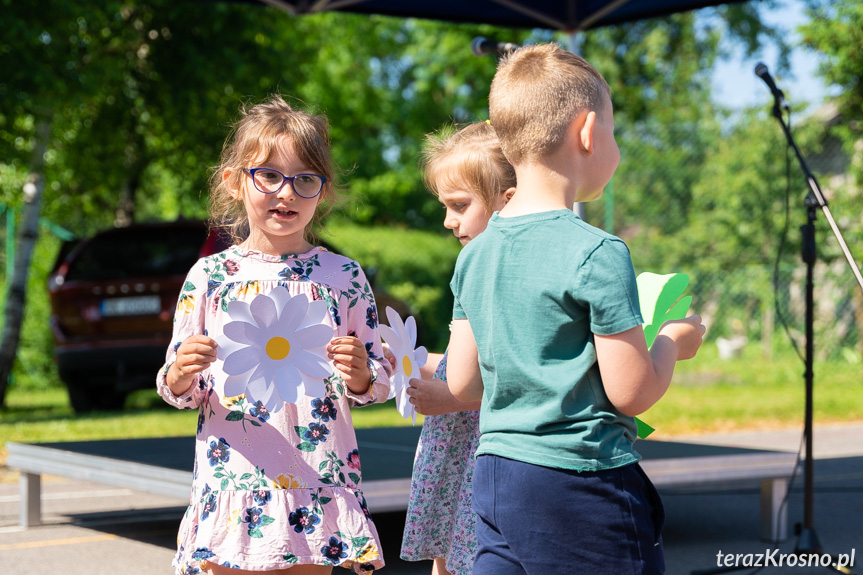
98,530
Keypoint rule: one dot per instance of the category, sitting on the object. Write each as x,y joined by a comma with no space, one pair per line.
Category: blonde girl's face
278,221
466,214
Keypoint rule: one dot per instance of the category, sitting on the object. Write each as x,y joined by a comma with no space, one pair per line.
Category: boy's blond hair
469,159
535,95
260,131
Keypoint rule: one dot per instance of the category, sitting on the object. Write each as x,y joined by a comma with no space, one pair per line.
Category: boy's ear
585,132
507,195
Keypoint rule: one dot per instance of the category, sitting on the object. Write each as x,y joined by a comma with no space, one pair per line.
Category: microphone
762,72
480,46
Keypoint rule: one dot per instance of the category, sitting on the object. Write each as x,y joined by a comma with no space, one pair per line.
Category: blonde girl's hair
535,95
259,132
469,159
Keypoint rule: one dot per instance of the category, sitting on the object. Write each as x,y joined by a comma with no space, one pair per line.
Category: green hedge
409,265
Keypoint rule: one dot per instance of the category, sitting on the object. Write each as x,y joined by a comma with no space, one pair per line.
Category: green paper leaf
661,301
643,429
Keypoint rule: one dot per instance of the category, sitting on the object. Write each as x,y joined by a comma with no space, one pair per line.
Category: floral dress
440,519
281,487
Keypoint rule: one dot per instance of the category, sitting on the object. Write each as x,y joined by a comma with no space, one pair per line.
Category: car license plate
139,305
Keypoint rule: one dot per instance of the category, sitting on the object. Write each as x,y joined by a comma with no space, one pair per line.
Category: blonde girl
468,173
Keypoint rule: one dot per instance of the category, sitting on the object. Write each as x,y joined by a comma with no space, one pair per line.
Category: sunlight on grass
707,395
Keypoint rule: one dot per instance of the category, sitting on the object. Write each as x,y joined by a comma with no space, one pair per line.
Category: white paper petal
242,360
280,296
242,332
411,330
393,317
256,389
391,338
317,312
404,406
312,336
398,384
312,364
235,385
239,310
393,386
292,311
225,346
398,326
313,386
272,402
287,381
263,310
421,355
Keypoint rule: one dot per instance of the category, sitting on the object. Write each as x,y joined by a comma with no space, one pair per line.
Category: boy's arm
462,369
635,378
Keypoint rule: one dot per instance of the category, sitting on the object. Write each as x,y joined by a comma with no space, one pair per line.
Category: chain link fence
719,215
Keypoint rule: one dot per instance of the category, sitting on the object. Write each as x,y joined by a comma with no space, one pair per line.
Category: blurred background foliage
139,97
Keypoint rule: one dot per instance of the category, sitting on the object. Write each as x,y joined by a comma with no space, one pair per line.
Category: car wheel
81,397
85,399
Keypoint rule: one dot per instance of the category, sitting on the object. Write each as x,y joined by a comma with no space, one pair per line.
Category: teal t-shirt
535,289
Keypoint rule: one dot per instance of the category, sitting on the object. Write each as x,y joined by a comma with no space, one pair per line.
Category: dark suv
113,298
112,306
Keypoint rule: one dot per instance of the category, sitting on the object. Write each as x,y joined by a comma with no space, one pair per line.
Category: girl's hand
194,355
350,358
688,333
433,397
388,355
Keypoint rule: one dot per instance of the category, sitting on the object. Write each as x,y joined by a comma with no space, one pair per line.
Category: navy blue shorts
540,521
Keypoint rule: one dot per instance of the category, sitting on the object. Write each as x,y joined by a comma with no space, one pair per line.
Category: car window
155,253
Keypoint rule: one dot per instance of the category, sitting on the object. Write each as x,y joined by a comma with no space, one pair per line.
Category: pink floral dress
440,520
273,490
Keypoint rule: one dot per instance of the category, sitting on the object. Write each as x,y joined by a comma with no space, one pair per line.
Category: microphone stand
807,538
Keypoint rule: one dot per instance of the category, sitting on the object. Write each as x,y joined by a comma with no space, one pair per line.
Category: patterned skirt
440,521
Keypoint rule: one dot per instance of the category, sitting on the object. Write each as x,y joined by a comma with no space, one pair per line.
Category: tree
836,30
142,93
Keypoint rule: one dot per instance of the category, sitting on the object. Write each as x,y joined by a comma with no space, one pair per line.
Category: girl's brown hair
260,130
469,158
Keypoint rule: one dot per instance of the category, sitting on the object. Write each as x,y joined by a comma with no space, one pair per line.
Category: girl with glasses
274,340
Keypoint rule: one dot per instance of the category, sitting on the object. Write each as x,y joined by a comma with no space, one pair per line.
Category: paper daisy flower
274,349
401,336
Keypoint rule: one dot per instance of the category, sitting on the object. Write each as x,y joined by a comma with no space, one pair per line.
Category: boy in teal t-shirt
547,332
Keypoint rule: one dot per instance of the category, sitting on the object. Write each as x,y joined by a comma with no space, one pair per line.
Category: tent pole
572,37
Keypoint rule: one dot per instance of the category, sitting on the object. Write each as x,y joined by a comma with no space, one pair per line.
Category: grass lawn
706,395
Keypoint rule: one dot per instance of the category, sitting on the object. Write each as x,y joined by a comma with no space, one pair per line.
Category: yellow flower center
406,365
278,348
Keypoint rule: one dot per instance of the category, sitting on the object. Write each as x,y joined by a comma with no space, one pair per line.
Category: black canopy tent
570,16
